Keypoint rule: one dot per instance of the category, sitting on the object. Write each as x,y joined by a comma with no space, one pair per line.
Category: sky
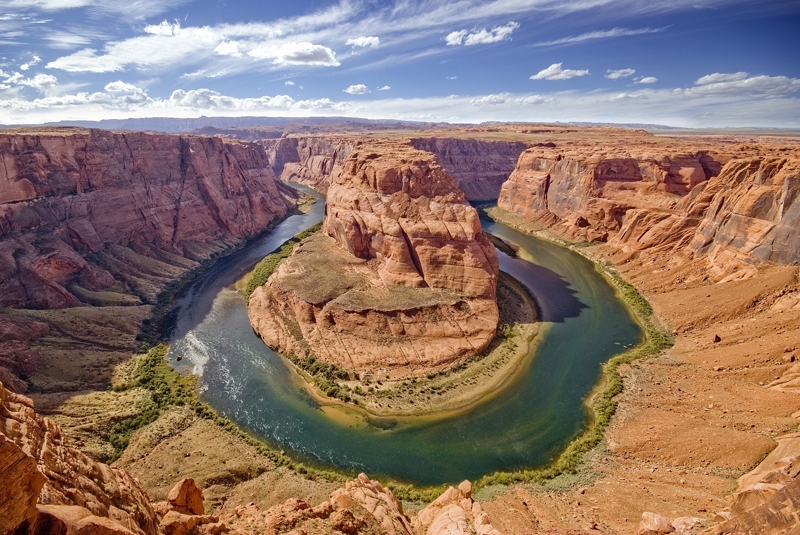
684,63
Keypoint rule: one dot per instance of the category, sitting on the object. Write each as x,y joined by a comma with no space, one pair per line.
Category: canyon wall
478,167
404,283
311,161
74,204
734,207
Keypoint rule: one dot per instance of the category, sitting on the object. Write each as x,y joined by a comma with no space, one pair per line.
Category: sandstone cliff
479,167
733,206
38,466
407,283
311,160
76,204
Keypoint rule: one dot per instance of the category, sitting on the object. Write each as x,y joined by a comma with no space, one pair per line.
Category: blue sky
691,63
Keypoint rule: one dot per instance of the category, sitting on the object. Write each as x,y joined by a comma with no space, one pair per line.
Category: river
525,425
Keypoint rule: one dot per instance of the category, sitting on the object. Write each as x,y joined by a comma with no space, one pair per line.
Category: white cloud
602,34
384,88
455,38
482,36
40,81
164,28
507,98
35,61
620,73
127,9
717,78
228,48
288,82
451,78
66,40
364,41
647,80
742,84
621,97
303,53
555,72
357,89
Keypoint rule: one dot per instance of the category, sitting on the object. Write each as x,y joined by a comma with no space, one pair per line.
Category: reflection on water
525,426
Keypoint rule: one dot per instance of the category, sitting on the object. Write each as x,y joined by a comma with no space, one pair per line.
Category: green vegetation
267,265
324,376
168,388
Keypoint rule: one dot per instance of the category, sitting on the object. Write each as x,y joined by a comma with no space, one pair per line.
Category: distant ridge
173,124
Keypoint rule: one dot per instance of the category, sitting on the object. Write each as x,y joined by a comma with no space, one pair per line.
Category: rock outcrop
454,513
68,197
405,285
37,464
479,167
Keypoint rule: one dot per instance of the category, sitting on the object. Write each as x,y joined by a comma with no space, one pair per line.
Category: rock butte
714,254
411,288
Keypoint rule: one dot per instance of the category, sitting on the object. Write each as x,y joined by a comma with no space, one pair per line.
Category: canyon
705,434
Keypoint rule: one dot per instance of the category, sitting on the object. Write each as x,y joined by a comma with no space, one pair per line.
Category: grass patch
267,265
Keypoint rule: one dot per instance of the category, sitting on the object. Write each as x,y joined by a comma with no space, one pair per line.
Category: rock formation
733,206
66,194
410,288
479,167
37,462
309,160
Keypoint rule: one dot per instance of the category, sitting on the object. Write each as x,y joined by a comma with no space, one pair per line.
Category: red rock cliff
66,194
311,160
478,167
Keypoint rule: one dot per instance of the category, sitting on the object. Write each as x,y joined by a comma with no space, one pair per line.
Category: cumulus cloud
35,61
364,41
556,72
482,36
288,82
384,88
742,84
303,53
40,81
228,48
357,89
164,28
620,73
647,80
602,34
451,78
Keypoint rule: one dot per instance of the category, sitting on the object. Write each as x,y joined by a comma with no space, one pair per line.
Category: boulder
186,498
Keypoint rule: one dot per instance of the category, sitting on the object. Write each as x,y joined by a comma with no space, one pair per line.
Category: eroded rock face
312,160
70,478
398,205
405,284
586,196
478,167
68,193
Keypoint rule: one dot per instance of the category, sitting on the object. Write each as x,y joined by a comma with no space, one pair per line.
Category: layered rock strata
731,208
479,167
77,206
311,160
405,283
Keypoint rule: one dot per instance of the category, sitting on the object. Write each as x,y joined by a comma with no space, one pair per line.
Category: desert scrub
267,265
